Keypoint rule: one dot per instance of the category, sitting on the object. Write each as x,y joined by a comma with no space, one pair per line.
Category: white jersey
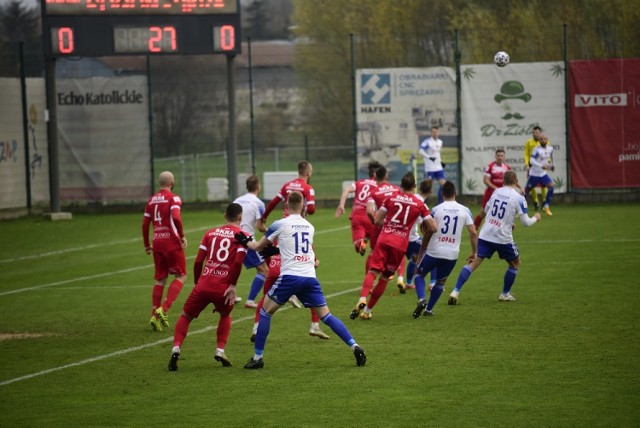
430,151
252,211
295,241
505,205
451,217
539,157
414,234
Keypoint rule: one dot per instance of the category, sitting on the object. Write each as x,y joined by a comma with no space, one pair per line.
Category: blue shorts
307,290
538,181
252,259
435,175
506,252
413,248
443,267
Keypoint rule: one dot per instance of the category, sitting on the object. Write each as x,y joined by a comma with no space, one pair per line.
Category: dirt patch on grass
11,336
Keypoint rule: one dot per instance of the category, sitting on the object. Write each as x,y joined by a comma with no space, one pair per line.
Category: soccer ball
501,58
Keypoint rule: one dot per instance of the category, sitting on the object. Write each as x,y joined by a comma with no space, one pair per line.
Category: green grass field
77,349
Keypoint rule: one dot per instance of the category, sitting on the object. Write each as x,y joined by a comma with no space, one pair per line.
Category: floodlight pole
232,148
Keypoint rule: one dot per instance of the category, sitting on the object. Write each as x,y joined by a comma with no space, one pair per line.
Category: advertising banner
103,139
605,123
396,108
500,107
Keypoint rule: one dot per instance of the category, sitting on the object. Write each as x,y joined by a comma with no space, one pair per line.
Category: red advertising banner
605,123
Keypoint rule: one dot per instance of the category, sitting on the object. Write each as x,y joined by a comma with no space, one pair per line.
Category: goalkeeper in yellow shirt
529,145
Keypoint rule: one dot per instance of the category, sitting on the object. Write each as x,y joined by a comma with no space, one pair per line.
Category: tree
19,23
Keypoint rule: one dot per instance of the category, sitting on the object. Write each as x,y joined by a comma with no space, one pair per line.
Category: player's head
166,179
435,131
425,186
537,130
448,190
305,169
408,182
500,155
373,166
295,202
253,183
543,140
233,213
510,178
381,174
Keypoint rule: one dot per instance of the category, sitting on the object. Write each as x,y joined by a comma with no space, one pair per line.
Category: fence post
251,123
354,119
567,102
25,125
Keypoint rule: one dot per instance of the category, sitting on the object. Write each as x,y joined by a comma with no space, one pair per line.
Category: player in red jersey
163,212
215,272
361,225
300,184
383,190
397,215
493,179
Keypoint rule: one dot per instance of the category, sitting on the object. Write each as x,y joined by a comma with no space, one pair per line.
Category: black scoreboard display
140,27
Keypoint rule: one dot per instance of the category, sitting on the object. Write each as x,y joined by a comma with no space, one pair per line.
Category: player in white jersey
252,212
297,276
443,248
415,241
501,211
541,161
430,150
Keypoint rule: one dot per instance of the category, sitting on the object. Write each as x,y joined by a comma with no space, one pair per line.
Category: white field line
101,275
140,347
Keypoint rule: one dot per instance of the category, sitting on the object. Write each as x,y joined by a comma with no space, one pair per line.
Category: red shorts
375,232
386,258
361,227
487,195
200,297
169,263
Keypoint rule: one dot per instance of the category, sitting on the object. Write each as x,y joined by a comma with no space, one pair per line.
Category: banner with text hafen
103,139
16,172
500,107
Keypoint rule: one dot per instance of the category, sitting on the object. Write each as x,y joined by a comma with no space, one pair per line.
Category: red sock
156,298
182,328
477,221
402,267
366,264
377,292
314,316
172,294
260,303
224,327
369,278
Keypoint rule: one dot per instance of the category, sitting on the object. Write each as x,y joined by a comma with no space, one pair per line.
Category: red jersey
221,255
297,185
496,172
163,211
363,189
382,192
402,212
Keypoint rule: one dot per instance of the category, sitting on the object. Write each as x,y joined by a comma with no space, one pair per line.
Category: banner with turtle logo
500,107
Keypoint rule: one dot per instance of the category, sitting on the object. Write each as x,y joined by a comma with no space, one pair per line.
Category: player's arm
310,206
487,182
258,245
527,221
371,210
177,220
473,239
343,199
379,218
146,223
272,204
198,264
533,160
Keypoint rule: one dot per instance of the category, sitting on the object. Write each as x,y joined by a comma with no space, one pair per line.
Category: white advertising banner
14,168
500,107
396,108
103,139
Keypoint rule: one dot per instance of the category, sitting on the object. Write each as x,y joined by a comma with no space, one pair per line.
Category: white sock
315,326
175,349
256,357
219,351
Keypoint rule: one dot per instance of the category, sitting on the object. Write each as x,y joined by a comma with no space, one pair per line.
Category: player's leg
485,250
315,329
177,268
510,253
425,265
400,282
548,186
365,290
194,304
386,260
258,280
443,271
223,330
441,181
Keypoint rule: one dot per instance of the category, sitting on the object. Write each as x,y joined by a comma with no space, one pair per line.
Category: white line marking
138,348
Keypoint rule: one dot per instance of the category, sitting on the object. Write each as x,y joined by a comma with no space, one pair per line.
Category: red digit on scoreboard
66,43
159,37
227,37
155,39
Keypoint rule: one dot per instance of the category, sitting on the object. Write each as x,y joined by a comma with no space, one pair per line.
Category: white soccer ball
501,58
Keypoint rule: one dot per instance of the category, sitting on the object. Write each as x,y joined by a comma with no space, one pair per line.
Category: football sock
176,349
172,294
543,193
314,317
182,328
509,279
434,295
411,270
432,276
338,328
224,327
256,286
156,297
314,325
258,308
465,273
263,331
440,195
420,287
367,284
401,269
547,199
377,292
477,220
534,195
